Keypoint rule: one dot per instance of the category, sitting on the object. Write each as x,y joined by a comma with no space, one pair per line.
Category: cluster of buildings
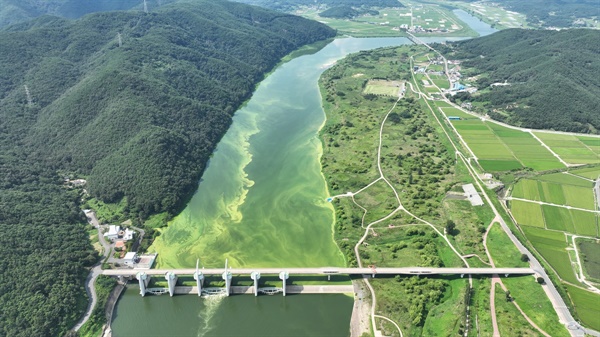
118,236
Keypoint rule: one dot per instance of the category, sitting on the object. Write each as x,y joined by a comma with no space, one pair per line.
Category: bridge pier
143,279
171,282
199,277
284,276
462,275
255,276
506,275
227,278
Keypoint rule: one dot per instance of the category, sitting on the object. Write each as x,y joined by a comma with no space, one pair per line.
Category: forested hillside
138,118
15,11
553,77
554,13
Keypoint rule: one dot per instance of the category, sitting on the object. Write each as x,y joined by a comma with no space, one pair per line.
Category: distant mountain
553,75
135,103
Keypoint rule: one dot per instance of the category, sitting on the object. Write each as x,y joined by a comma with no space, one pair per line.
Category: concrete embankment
293,289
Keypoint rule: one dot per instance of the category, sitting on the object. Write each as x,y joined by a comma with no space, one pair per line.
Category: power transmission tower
29,99
120,39
145,7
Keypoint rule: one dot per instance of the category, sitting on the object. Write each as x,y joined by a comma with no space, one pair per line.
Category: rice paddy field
586,306
558,189
499,148
552,245
573,193
439,20
573,149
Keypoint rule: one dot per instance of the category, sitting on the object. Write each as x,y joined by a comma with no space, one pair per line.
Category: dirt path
495,279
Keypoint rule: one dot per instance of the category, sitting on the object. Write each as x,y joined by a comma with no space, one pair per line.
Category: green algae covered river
260,203
262,199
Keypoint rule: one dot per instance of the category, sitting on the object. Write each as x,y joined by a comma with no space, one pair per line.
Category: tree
450,227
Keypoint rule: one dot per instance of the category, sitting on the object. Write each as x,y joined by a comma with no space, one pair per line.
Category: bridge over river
170,275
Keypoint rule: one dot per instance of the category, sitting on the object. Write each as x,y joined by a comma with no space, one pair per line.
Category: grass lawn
385,88
443,317
586,306
503,251
533,301
510,320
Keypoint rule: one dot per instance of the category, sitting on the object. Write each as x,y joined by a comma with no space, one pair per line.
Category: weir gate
144,276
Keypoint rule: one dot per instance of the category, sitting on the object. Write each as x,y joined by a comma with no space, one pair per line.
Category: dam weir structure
227,273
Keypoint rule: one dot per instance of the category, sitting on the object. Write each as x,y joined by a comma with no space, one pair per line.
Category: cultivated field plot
431,18
586,306
441,81
499,148
383,88
552,246
590,257
558,189
573,149
588,172
527,213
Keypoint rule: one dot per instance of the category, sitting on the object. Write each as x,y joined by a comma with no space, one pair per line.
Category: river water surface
261,203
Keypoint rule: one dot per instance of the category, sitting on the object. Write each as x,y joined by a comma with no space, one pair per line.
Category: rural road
560,307
90,282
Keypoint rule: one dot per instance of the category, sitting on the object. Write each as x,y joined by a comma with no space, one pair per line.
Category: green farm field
586,306
573,149
559,189
441,20
552,245
499,148
588,172
590,257
385,88
527,213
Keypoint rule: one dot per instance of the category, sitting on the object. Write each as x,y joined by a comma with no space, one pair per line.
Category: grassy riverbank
420,165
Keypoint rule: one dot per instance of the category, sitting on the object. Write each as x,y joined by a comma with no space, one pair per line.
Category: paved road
90,282
557,301
332,270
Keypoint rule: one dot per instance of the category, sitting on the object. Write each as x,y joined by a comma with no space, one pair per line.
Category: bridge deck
329,271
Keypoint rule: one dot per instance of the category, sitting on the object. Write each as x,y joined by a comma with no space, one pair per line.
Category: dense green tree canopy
139,119
553,75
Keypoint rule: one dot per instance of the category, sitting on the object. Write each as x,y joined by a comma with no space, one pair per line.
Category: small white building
113,232
128,234
129,259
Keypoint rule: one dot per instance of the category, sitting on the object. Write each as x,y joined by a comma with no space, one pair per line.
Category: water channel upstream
260,203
